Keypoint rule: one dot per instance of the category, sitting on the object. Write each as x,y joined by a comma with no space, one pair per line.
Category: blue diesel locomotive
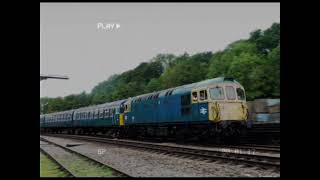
209,108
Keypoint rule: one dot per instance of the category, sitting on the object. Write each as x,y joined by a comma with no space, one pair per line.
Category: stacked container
264,110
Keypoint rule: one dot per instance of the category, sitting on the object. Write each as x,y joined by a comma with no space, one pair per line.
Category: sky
89,42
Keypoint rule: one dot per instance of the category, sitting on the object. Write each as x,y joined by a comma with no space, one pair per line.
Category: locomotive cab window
203,95
194,97
231,95
217,93
127,108
240,94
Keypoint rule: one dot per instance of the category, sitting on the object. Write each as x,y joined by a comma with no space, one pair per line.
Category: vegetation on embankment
48,168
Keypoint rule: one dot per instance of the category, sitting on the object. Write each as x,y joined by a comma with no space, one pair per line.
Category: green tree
254,62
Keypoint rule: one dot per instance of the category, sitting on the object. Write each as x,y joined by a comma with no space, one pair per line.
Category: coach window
101,113
93,114
240,94
231,94
203,95
194,96
105,113
97,114
217,93
110,113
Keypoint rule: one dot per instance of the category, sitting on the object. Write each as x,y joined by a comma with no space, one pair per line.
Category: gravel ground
221,149
147,164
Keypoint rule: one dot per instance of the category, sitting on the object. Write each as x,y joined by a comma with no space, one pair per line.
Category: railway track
246,147
61,166
116,172
249,158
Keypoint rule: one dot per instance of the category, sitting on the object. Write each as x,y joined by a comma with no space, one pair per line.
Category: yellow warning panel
121,119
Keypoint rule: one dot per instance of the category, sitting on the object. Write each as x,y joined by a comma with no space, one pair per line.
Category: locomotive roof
186,88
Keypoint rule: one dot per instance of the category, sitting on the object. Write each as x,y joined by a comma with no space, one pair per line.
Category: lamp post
45,77
42,106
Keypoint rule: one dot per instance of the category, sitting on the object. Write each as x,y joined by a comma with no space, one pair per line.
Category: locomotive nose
223,111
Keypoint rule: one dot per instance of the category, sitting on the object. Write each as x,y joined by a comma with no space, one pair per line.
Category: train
212,108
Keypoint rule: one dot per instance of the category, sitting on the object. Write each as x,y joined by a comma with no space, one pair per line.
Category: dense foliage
254,62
